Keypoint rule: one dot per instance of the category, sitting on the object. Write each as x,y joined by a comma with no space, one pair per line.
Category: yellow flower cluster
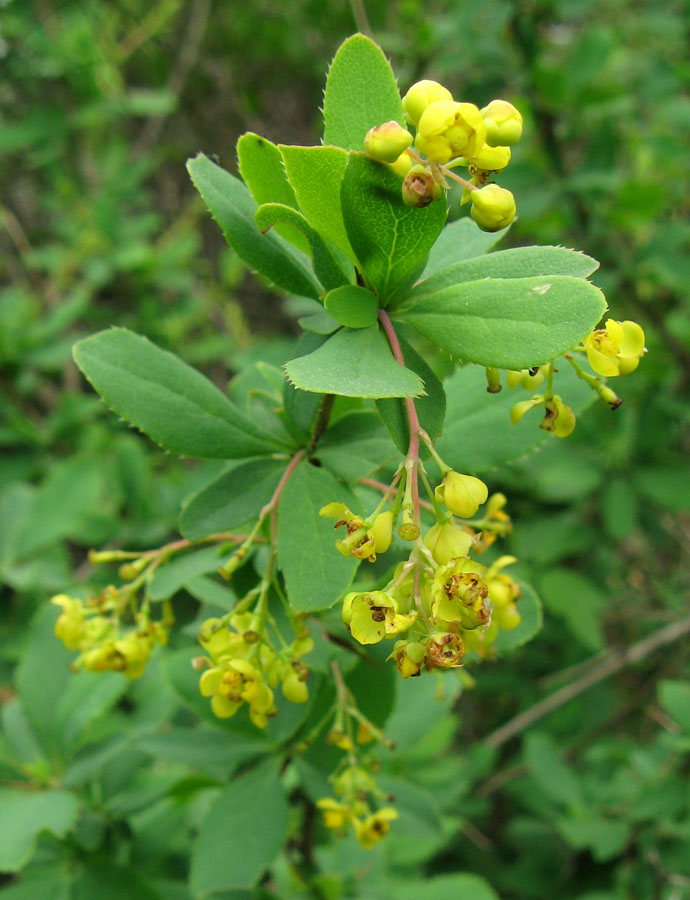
242,667
451,133
353,786
98,639
440,594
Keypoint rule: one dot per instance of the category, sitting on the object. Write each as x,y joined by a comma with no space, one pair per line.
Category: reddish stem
413,449
272,505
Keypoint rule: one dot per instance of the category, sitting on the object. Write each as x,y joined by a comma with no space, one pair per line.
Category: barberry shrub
417,335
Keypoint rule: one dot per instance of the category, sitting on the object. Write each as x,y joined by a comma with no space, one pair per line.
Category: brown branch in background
186,58
359,14
614,662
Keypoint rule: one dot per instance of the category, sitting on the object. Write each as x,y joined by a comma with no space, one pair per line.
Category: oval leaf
326,268
316,174
262,170
352,306
233,208
461,239
243,832
354,363
231,499
168,400
509,323
391,241
316,575
521,262
361,92
478,434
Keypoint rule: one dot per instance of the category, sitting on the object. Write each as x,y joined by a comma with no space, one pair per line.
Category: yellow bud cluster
451,133
101,645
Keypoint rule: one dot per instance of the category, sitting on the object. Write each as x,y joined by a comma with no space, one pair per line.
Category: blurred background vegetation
100,106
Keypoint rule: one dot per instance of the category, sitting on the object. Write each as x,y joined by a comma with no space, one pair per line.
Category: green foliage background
109,785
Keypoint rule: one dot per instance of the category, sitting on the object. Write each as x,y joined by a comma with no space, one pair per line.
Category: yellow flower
419,188
373,828
493,207
458,592
446,541
386,142
444,651
373,616
615,349
448,129
335,814
503,123
421,95
502,589
409,657
69,626
461,494
559,418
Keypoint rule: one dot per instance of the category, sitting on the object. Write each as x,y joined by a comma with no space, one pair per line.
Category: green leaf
431,409
579,601
42,679
442,887
170,577
674,696
462,239
355,363
355,446
230,500
108,881
24,815
262,170
326,268
72,491
391,241
606,838
168,400
242,833
86,699
531,620
478,434
352,306
522,262
316,174
233,208
550,773
316,575
509,323
361,92
202,747
320,323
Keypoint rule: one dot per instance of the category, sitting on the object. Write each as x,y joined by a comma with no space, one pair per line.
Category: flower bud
559,419
382,531
461,494
507,617
386,142
490,159
446,541
419,188
294,689
421,95
402,165
409,656
503,123
448,129
493,207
